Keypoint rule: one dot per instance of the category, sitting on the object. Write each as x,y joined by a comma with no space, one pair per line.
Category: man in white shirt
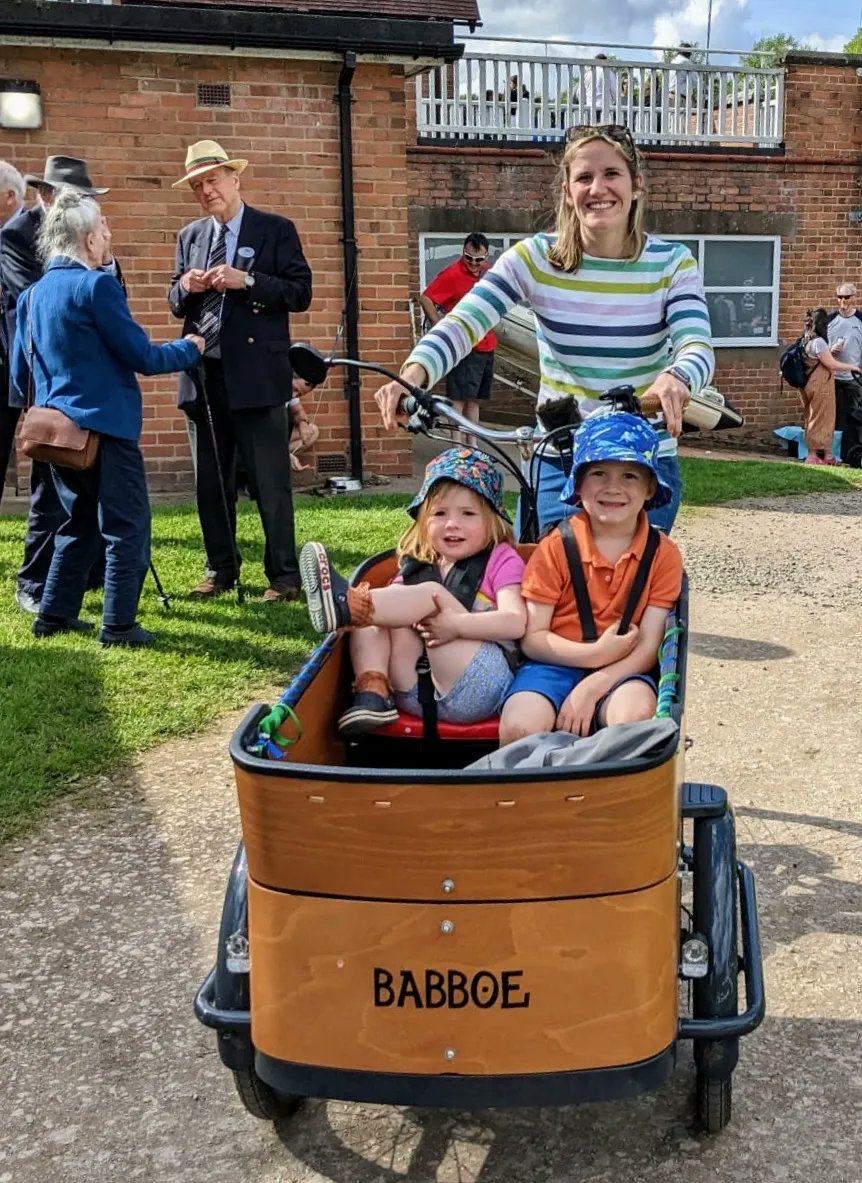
599,97
845,341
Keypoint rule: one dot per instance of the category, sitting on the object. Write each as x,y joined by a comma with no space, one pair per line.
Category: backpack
794,365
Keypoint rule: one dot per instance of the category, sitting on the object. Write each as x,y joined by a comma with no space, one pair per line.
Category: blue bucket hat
474,470
622,437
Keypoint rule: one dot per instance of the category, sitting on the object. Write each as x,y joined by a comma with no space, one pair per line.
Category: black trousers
9,417
260,438
45,518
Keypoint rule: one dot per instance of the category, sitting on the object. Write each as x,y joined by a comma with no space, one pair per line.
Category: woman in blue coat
86,350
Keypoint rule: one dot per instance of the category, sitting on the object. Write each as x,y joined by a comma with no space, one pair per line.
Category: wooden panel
513,988
496,841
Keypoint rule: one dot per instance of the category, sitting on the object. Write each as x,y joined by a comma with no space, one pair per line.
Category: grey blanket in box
560,749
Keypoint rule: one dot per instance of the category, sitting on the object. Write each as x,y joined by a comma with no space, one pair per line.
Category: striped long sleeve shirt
608,323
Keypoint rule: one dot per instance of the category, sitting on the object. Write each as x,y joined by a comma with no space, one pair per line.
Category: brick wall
805,197
132,115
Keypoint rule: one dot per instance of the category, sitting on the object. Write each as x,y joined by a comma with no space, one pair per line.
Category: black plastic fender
232,989
714,886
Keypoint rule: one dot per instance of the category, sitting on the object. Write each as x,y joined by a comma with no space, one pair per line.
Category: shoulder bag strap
30,380
579,583
641,576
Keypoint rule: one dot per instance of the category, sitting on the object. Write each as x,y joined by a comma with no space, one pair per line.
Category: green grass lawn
71,709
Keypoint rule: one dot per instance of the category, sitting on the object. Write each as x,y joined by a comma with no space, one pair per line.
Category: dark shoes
135,637
42,627
26,602
325,590
367,712
281,591
211,586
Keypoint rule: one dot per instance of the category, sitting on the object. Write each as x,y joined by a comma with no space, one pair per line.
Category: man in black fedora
20,266
239,273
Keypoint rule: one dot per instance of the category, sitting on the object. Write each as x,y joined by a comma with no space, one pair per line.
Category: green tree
854,45
766,50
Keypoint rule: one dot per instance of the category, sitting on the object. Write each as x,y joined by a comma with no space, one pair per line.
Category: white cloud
834,44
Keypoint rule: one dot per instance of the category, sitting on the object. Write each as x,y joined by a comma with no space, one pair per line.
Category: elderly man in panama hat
20,266
239,273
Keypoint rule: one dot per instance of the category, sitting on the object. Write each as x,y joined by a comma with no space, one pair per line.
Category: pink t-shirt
505,567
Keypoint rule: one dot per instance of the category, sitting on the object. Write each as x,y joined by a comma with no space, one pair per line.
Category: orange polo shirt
547,579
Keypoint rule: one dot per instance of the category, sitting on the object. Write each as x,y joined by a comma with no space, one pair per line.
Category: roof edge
237,28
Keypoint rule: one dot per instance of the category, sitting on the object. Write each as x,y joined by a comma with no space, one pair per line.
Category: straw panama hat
204,156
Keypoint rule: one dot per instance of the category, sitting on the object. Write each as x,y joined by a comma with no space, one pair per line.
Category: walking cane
197,376
162,594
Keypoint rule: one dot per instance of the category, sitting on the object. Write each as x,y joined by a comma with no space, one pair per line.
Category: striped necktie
209,317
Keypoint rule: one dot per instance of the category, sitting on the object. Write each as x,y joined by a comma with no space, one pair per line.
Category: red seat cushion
410,727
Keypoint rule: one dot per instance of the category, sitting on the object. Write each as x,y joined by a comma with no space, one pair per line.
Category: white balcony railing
535,97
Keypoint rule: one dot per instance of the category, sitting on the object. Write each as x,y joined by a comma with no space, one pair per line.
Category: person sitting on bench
598,589
458,593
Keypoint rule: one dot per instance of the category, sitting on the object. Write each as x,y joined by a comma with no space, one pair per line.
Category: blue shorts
556,682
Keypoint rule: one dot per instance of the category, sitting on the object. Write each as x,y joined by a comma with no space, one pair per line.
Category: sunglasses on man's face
840,297
475,258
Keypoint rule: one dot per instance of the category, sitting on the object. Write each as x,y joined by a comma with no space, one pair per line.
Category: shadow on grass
54,727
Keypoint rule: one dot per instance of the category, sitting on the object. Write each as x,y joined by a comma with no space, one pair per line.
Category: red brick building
129,86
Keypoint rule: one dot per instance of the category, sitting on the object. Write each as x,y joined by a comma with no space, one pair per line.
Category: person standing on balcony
470,382
612,305
599,98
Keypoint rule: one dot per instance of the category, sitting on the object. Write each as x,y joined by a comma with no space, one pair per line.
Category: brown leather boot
281,591
209,587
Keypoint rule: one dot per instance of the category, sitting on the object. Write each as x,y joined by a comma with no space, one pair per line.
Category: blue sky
736,24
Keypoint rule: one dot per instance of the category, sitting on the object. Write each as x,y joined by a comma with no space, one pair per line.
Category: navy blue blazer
87,349
255,329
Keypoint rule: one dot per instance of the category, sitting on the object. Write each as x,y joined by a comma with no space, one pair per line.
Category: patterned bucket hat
475,470
622,437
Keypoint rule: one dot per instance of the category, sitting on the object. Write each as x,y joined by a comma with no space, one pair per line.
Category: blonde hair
414,543
568,251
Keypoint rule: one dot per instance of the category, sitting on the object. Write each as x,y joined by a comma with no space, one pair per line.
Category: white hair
10,178
70,217
848,289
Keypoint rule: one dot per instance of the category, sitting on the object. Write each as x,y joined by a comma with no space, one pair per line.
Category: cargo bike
402,928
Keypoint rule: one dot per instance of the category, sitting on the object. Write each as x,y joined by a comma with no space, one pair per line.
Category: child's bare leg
629,703
371,704
403,605
526,713
448,662
370,649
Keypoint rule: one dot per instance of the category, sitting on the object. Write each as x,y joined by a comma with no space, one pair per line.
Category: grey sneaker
325,589
367,712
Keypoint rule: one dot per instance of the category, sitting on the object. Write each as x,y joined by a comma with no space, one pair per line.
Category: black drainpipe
351,278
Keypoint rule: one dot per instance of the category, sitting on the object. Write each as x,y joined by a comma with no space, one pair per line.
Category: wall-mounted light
20,104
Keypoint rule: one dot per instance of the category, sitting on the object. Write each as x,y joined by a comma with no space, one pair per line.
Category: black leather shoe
26,602
135,637
49,628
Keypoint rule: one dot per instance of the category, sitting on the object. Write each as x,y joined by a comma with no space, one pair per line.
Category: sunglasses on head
610,131
474,258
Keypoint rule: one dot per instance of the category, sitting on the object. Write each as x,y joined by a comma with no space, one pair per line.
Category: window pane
740,314
691,243
736,262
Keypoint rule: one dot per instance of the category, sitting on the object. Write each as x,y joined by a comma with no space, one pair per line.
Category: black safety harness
463,580
579,583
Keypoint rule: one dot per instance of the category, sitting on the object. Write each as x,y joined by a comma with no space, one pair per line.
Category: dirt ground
110,913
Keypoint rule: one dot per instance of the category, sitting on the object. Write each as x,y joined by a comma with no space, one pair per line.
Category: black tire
714,1102
260,1100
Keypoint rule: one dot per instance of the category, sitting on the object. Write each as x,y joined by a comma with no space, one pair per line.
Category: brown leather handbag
49,435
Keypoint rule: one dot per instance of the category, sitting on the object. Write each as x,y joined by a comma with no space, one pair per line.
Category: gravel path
110,914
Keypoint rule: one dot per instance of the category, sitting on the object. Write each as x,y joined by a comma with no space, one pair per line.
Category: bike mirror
308,363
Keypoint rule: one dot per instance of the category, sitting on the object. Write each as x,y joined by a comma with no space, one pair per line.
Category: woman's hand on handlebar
673,395
388,397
